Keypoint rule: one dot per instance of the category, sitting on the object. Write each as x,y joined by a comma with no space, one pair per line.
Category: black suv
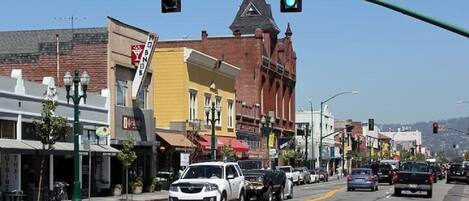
385,173
457,172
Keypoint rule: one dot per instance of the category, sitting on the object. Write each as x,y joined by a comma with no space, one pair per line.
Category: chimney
204,35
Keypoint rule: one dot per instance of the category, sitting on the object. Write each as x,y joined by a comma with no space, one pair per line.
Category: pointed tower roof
254,14
288,32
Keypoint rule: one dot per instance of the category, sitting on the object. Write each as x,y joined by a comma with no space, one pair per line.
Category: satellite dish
103,131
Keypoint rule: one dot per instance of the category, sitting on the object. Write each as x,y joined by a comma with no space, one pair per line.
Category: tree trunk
41,171
126,183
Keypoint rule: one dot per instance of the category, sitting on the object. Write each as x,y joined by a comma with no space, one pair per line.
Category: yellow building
186,81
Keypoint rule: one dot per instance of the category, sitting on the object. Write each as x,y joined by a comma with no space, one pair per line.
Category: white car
291,174
209,181
314,176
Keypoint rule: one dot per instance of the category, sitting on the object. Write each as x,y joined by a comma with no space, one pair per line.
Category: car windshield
285,169
164,175
415,167
361,172
456,167
204,172
250,165
385,167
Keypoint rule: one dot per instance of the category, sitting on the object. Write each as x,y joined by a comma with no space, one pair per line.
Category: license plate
458,173
412,185
380,173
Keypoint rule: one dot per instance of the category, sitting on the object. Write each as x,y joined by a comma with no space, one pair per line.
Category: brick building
268,71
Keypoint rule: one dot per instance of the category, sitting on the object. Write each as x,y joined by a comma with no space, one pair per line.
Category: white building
405,140
313,118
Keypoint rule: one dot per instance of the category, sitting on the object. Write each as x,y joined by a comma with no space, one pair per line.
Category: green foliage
289,155
405,155
137,182
127,155
228,153
466,156
420,157
51,127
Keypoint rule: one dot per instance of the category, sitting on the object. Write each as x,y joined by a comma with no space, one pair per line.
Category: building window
208,103
92,137
230,114
192,105
142,98
276,104
121,92
218,104
289,108
283,107
262,99
7,129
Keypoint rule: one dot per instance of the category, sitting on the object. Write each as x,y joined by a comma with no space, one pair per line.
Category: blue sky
406,70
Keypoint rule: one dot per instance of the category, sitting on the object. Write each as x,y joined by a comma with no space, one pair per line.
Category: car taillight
349,178
430,178
390,172
395,178
371,178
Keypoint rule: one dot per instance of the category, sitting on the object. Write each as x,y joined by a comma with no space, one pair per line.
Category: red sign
131,123
136,53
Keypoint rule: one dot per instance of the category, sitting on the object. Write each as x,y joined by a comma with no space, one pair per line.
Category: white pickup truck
291,174
209,181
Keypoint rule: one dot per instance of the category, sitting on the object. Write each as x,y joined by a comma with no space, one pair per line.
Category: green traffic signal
290,3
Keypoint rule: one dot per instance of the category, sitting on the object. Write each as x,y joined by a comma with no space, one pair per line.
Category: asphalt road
336,191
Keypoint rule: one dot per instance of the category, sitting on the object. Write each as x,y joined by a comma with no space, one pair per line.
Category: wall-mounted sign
131,123
184,159
136,53
143,63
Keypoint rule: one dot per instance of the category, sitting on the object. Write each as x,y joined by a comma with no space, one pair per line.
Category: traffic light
290,6
435,127
371,124
170,6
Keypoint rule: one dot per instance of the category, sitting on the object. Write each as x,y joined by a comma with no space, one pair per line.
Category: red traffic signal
435,127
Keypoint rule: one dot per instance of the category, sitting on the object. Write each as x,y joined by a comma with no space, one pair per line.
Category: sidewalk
155,196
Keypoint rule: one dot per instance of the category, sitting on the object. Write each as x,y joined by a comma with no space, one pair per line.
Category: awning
234,143
176,139
32,146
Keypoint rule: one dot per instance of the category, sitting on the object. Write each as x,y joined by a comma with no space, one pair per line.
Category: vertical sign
143,64
136,53
185,159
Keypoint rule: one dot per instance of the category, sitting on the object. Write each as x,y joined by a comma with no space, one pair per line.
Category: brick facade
89,52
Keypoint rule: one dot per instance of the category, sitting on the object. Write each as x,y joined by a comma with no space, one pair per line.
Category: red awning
235,144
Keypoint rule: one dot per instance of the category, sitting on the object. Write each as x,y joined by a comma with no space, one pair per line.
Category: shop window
91,135
208,103
7,129
143,98
28,131
121,92
218,104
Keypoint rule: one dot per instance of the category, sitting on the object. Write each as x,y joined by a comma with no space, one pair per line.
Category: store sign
144,63
185,159
136,53
131,123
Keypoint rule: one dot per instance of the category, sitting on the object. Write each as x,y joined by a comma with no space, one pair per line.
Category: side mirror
230,177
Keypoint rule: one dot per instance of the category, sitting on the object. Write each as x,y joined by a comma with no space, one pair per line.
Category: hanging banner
272,139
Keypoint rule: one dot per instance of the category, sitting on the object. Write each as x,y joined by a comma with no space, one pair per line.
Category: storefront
239,148
175,151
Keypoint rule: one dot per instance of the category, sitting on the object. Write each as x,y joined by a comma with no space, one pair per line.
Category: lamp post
212,121
320,120
84,80
306,131
313,158
267,126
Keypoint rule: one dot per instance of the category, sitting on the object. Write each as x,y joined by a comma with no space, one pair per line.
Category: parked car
385,173
314,176
323,176
305,176
435,172
165,178
414,177
362,178
294,176
218,181
457,172
264,184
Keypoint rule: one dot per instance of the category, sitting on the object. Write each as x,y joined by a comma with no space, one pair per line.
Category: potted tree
155,185
137,185
117,190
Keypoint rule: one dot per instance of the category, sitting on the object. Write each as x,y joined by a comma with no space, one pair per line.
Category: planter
137,190
117,192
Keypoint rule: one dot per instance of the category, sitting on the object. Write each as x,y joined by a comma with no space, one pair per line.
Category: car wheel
390,182
279,194
397,192
429,194
436,180
373,189
241,196
448,181
349,189
223,197
376,187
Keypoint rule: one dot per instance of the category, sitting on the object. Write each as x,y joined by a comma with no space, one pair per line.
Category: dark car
436,172
374,167
362,178
413,176
323,176
385,173
457,172
262,184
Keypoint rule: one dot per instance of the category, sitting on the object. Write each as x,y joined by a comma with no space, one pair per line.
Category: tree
405,155
420,157
127,156
466,156
49,129
228,153
288,156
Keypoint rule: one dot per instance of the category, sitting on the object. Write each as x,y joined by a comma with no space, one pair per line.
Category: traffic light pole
421,17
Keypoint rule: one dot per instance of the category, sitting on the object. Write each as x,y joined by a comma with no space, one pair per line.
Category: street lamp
212,121
305,128
84,80
320,120
267,126
313,158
